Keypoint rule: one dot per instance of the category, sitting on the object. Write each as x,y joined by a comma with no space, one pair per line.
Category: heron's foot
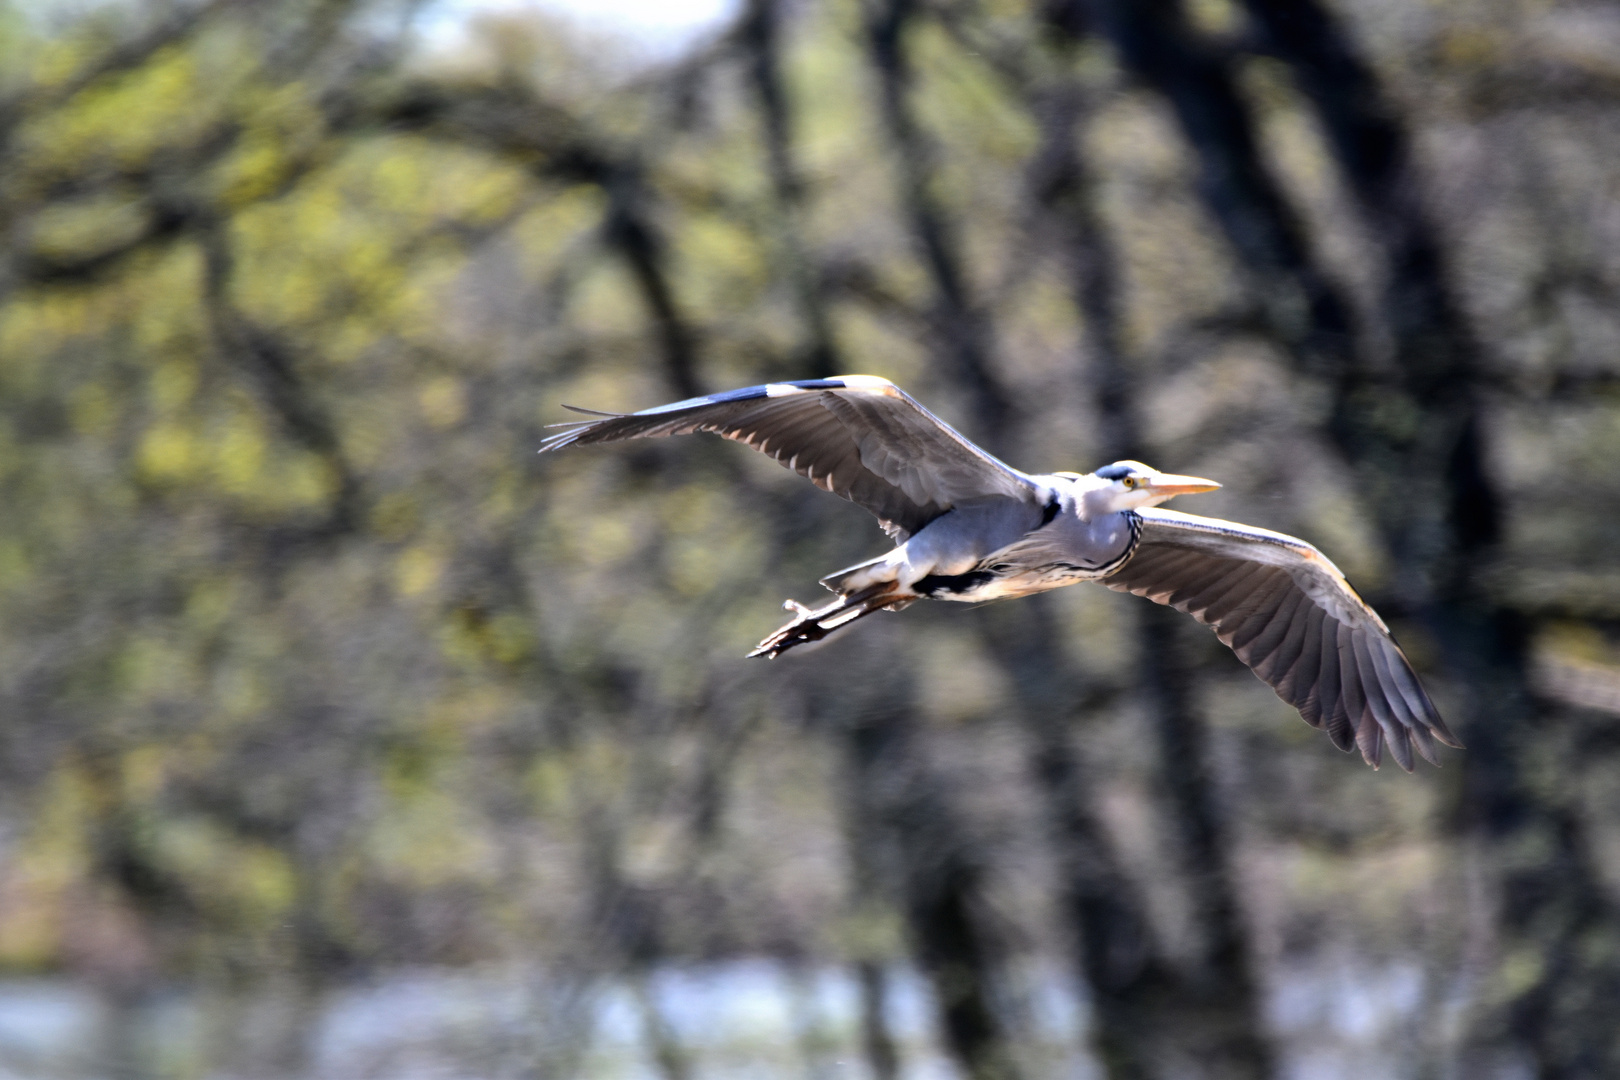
813,624
804,628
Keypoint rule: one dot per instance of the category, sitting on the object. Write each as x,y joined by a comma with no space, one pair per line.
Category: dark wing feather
1293,619
857,436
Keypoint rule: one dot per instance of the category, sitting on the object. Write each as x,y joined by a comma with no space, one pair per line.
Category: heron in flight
969,527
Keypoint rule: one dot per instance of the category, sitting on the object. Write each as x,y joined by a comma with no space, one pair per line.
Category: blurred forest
343,736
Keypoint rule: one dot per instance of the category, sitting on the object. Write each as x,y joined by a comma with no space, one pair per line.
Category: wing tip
559,440
1437,728
590,412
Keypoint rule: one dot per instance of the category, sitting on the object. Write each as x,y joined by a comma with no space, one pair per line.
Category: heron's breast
1001,581
1064,552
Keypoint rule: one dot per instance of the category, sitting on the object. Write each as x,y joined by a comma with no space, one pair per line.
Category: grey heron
969,527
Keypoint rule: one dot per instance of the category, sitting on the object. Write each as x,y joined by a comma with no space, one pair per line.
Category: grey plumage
858,436
1293,619
970,527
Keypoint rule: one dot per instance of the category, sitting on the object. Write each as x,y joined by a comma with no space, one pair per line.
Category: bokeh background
342,736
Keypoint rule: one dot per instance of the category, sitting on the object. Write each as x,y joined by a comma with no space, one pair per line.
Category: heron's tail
839,580
813,625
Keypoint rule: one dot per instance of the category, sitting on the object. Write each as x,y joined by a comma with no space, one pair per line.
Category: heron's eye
1129,482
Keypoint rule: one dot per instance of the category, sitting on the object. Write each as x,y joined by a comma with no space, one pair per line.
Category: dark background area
321,693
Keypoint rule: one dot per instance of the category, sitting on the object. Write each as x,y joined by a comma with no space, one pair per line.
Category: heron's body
1000,547
971,528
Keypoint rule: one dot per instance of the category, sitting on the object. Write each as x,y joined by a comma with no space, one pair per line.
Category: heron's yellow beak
1165,485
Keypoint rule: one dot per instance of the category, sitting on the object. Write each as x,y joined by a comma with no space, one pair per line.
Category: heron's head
1130,485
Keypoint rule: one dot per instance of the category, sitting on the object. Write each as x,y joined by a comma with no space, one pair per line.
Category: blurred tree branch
181,21
964,332
759,37
273,370
512,121
1303,306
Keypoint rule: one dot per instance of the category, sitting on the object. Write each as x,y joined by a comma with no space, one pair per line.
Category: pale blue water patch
38,1018
1352,1000
1338,1017
1334,1017
415,1007
763,999
735,1020
750,1018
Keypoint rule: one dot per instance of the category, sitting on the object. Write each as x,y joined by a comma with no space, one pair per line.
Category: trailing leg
813,624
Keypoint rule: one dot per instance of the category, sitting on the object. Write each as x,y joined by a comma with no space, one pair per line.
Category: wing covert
1291,616
857,436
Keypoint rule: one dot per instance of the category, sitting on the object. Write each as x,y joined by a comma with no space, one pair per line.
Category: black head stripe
1115,471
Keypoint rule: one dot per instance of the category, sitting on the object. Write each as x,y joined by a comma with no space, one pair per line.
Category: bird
968,527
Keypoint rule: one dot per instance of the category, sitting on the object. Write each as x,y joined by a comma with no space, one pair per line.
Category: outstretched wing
1290,616
858,436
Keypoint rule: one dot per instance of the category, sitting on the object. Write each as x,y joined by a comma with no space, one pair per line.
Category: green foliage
298,632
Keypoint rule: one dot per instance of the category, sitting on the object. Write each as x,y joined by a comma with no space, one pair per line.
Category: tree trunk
1214,1009
937,879
1415,439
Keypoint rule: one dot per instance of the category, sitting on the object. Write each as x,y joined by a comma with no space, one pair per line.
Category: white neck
1099,498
